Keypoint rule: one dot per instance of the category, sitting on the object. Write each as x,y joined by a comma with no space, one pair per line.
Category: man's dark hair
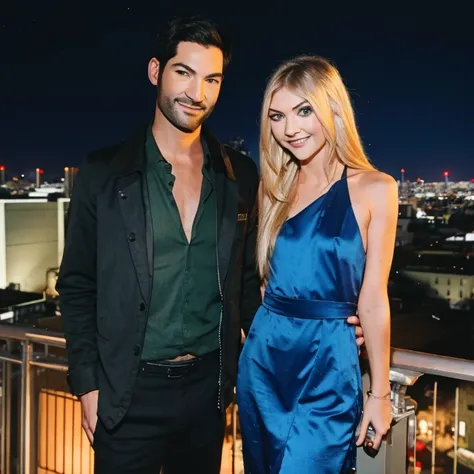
193,29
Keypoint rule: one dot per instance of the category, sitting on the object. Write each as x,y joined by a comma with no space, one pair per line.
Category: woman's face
294,125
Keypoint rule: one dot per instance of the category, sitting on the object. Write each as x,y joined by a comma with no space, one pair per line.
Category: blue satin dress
299,389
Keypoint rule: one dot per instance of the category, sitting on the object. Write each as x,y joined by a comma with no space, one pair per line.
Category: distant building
47,190
406,210
69,178
404,235
457,289
406,214
446,275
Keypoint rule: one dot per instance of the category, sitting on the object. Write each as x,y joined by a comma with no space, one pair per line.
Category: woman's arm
381,193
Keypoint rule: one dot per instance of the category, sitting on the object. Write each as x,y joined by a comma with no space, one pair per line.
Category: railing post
234,434
412,427
5,466
433,442
26,410
456,430
391,458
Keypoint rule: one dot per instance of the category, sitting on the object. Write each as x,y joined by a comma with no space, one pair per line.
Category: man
158,276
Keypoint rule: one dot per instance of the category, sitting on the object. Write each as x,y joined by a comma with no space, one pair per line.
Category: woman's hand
378,413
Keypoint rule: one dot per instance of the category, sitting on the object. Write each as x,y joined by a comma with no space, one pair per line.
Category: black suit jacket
105,274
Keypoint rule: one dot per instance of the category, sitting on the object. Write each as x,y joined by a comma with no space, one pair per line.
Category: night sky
73,77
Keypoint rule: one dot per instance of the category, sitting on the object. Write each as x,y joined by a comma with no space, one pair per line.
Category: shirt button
136,350
132,237
170,184
142,307
186,303
122,195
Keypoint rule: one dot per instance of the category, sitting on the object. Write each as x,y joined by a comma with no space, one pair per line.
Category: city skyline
75,80
58,175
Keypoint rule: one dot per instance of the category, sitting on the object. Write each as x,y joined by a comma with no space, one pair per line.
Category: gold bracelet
385,397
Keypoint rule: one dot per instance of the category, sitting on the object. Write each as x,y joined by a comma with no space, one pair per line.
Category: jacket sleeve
77,286
251,296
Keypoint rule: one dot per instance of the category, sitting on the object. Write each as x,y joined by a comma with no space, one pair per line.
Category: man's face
189,85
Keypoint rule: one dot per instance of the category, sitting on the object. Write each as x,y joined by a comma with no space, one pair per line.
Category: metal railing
407,366
27,337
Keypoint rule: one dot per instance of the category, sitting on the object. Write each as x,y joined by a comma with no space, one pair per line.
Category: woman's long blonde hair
319,82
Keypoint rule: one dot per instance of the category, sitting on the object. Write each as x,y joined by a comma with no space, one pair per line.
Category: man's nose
195,90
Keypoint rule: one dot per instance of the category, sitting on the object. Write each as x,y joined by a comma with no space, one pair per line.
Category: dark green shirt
185,303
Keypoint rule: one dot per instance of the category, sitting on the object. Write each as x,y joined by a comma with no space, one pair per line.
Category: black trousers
173,423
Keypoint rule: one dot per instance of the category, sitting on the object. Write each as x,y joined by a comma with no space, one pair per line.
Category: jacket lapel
227,196
129,166
130,197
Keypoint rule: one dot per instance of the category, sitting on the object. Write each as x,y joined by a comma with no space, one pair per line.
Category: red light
402,170
446,174
2,168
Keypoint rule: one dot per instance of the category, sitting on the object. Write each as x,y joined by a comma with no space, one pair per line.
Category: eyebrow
295,107
192,71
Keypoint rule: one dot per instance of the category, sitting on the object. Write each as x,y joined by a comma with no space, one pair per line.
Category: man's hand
354,320
89,403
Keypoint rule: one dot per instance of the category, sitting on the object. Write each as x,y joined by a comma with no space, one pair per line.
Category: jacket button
136,350
132,237
142,307
122,195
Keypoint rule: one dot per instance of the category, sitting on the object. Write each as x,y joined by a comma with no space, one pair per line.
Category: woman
325,246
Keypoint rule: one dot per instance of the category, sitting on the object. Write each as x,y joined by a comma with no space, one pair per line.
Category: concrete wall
28,242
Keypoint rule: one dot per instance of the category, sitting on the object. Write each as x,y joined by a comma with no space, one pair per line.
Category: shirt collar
154,155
